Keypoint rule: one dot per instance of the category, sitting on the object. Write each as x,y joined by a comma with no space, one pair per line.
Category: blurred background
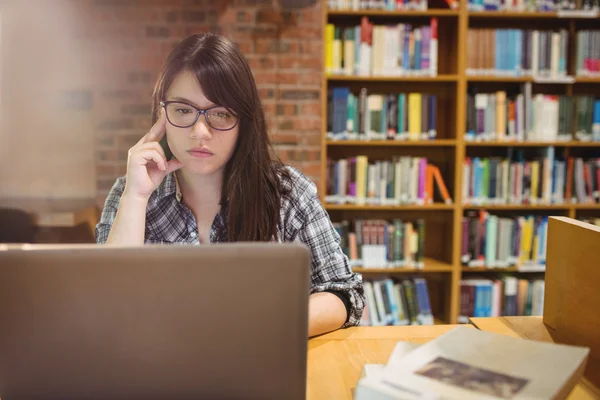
76,79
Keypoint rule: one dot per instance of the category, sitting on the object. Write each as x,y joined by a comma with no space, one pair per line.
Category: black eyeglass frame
164,104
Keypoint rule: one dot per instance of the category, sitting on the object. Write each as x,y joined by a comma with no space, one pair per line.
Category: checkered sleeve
109,212
330,268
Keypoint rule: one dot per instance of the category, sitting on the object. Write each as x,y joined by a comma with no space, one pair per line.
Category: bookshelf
449,150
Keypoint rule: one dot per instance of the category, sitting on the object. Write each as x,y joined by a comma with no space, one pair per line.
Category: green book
529,301
491,242
401,113
486,178
399,243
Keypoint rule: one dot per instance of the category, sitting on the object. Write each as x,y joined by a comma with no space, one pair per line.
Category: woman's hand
147,165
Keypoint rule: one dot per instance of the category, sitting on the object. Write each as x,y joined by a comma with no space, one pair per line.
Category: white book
472,364
397,181
554,54
414,181
521,117
371,303
365,59
391,48
535,49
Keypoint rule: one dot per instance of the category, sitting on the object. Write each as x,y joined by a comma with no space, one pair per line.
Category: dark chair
16,226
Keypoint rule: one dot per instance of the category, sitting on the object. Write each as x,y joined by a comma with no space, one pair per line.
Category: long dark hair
252,190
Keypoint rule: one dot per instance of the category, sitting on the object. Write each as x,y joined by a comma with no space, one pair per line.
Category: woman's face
201,148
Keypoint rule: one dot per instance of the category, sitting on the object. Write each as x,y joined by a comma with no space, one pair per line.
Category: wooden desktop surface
335,360
56,213
533,328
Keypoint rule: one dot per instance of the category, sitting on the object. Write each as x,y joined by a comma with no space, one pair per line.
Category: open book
471,364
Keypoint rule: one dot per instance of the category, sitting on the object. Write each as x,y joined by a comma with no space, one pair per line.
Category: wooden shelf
586,206
537,207
511,207
532,144
387,13
399,143
513,14
509,269
587,79
352,78
354,207
431,265
491,78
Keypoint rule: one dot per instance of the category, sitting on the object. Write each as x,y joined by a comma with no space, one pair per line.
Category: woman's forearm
130,222
326,313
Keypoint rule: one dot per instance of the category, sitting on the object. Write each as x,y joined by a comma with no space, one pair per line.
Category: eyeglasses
183,115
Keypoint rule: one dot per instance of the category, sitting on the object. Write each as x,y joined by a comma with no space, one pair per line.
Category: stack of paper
471,364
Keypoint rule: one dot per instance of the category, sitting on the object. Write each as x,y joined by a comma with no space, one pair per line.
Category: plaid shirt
302,219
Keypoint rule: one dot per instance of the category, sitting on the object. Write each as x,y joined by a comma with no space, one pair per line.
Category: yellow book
500,115
362,163
525,240
535,171
329,33
408,234
414,116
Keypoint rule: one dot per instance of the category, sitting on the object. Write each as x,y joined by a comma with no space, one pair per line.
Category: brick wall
129,40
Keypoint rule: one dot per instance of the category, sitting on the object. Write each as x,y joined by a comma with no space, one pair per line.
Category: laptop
225,321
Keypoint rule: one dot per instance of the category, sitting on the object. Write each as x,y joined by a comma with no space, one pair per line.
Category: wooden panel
572,293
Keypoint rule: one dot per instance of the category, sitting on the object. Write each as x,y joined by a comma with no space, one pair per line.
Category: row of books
382,244
401,180
397,303
533,5
396,116
517,52
495,242
544,181
381,50
587,61
507,296
390,5
526,117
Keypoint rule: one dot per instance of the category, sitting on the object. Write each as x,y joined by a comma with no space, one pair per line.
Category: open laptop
224,321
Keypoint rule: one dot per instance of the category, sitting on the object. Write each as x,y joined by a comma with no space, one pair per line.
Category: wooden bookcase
443,233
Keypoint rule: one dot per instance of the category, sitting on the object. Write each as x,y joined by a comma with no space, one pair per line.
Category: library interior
429,171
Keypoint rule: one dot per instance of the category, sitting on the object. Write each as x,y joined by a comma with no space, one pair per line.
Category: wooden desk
56,213
533,328
335,360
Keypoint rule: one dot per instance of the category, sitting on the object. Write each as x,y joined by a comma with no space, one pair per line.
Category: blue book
596,121
406,56
418,44
479,310
425,316
497,55
432,127
394,306
340,109
519,52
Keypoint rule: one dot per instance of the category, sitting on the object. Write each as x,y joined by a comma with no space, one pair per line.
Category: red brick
302,124
310,139
313,109
284,139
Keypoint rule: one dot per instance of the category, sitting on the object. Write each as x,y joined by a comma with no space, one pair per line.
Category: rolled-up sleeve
109,212
330,268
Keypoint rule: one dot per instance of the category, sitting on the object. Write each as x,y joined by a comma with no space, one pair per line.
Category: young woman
206,173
